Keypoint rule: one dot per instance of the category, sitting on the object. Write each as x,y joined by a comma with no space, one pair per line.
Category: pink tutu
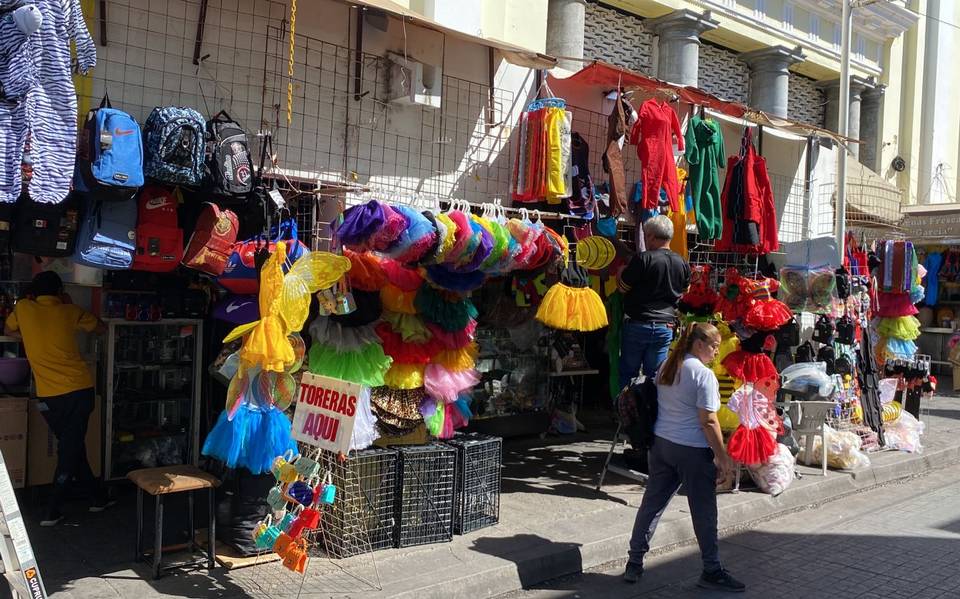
453,339
894,305
394,224
445,386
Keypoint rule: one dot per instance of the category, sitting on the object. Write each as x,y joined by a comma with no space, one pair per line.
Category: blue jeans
643,347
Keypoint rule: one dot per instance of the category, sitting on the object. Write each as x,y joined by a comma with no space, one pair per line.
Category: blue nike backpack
110,154
174,146
108,235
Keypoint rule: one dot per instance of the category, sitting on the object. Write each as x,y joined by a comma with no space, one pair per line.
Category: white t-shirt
678,416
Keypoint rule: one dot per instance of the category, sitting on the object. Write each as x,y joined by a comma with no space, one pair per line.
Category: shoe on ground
102,504
633,573
721,581
51,519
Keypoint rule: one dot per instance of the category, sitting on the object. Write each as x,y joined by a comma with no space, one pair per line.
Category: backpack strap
105,102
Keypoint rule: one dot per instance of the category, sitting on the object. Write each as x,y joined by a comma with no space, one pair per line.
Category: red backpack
159,238
212,241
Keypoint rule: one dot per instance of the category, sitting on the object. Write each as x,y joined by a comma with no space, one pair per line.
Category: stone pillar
679,44
565,19
871,126
770,77
832,114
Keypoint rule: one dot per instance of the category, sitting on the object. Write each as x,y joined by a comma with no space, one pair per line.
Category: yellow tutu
404,376
447,242
396,300
572,309
456,360
891,411
903,327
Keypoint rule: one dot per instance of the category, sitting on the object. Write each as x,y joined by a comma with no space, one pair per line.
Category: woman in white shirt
687,451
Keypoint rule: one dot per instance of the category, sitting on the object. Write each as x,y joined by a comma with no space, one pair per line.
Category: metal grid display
477,485
362,519
424,499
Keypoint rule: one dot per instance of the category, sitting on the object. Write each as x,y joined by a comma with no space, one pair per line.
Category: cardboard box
13,438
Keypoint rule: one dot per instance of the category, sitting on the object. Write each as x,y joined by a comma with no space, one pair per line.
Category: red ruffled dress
735,300
766,313
753,442
701,297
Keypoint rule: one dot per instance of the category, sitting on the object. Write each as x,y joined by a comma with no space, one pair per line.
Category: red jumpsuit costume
652,134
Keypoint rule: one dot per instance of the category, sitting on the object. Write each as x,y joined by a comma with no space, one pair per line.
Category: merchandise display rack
477,486
425,493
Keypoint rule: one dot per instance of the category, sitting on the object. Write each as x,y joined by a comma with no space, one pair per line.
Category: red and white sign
325,412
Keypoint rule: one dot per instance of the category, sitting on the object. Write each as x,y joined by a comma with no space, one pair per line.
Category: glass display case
152,371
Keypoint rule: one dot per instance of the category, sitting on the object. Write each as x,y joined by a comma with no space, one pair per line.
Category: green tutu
410,327
449,315
903,327
365,366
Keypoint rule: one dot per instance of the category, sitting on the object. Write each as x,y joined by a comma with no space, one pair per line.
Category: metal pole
845,35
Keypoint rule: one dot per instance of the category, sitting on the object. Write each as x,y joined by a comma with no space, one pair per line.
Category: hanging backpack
242,274
159,237
108,235
229,164
110,154
212,241
173,144
45,229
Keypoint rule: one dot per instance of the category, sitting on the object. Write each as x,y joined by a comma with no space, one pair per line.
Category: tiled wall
723,74
806,101
617,38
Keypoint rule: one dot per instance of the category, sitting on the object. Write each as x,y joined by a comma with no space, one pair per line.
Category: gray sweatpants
673,465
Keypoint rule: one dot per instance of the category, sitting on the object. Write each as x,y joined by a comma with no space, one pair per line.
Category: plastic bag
904,433
843,453
888,390
808,378
806,289
776,475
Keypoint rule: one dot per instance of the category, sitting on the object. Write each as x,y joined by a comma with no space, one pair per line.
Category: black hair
46,283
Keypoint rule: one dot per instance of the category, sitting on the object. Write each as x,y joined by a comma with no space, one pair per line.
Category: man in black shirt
652,285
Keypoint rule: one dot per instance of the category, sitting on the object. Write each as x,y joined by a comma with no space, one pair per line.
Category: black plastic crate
424,496
362,517
476,502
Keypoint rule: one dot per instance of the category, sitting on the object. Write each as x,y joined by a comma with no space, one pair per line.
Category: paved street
900,540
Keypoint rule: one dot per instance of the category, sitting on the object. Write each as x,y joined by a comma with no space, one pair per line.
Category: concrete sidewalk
552,524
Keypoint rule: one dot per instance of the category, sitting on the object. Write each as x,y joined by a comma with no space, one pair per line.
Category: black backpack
645,398
804,353
46,229
229,164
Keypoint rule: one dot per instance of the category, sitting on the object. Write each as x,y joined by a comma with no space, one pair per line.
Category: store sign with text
326,410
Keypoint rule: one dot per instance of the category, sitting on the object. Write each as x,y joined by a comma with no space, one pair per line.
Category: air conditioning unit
414,83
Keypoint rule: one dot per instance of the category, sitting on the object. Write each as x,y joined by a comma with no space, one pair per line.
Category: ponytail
695,331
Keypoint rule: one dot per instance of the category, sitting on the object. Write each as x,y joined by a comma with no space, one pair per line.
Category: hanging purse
266,534
296,556
788,335
823,329
845,331
287,521
301,492
276,499
804,353
328,491
307,467
282,544
283,470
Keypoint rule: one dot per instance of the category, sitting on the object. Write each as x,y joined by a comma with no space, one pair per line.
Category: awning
511,53
607,76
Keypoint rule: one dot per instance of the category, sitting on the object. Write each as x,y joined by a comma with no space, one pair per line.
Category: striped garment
18,76
51,107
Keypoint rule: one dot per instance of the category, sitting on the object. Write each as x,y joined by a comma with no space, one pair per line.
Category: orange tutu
396,300
365,272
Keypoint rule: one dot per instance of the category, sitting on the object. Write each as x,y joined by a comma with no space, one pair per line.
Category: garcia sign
325,412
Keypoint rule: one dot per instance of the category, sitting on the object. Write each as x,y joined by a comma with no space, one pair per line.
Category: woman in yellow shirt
47,323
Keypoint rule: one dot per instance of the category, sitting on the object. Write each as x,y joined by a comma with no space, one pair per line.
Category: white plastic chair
809,418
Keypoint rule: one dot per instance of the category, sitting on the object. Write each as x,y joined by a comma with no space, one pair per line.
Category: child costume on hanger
18,76
749,214
51,109
705,157
653,134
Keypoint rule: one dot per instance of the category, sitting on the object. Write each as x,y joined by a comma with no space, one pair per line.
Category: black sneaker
52,518
633,573
721,581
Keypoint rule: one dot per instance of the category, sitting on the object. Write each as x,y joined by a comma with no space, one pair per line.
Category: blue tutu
252,439
416,240
901,348
461,282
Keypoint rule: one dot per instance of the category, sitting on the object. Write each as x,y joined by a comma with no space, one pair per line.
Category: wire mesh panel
477,485
362,520
424,500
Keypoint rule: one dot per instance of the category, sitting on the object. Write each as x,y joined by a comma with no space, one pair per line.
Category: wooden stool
164,481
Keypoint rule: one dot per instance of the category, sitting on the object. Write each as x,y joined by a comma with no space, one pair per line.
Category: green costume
705,157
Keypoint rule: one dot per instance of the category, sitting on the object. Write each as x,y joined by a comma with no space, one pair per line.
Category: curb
547,563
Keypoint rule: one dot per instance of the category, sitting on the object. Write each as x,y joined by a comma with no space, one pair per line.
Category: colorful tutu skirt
404,352
572,309
252,439
450,314
453,339
397,300
400,276
366,272
768,315
749,367
442,277
445,385
894,305
455,360
365,366
904,327
410,327
327,331
751,446
404,376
